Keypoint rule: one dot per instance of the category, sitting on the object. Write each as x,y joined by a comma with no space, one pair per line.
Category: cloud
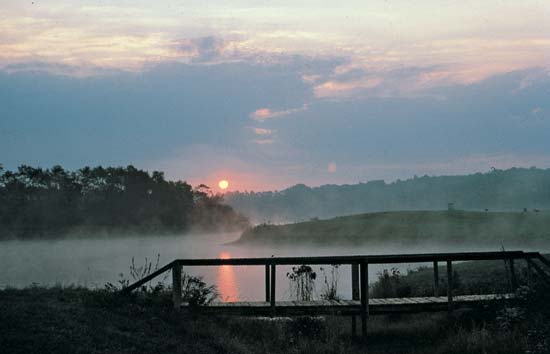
265,136
264,141
263,132
169,109
311,79
334,88
536,110
131,35
202,49
263,114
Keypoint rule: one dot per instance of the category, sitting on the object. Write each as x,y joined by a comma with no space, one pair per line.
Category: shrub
391,284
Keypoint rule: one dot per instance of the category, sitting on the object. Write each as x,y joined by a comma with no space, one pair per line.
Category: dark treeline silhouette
502,190
37,202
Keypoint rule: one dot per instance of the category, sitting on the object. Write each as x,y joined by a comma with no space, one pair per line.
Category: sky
267,94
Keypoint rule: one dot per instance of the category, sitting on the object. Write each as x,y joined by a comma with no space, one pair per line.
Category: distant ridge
498,190
451,228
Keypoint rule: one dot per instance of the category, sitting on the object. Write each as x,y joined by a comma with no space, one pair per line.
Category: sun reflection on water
227,284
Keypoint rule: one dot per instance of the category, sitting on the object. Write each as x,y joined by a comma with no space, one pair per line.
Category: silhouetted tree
35,202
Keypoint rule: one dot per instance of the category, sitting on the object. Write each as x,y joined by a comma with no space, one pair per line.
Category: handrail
355,259
150,277
372,259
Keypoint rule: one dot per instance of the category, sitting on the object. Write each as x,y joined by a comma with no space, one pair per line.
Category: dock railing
359,272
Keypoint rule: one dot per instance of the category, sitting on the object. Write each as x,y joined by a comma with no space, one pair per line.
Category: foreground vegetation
78,320
37,202
81,320
449,228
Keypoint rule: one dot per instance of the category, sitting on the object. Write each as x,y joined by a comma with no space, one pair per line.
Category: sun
223,184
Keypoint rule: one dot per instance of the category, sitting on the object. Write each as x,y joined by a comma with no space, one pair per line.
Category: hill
519,229
499,190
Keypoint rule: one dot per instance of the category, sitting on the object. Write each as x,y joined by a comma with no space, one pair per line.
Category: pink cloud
263,114
334,88
263,132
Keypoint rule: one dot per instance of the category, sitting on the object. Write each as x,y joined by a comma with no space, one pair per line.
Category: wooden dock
360,305
349,307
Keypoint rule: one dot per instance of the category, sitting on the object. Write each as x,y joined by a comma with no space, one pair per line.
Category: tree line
36,202
514,189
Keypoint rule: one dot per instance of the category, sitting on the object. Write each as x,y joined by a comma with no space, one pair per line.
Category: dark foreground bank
78,320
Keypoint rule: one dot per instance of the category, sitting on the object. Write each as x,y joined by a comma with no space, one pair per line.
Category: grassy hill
412,227
498,190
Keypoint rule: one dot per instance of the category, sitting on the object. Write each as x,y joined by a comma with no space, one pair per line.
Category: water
92,262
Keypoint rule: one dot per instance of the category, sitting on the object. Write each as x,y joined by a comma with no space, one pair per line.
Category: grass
79,320
412,227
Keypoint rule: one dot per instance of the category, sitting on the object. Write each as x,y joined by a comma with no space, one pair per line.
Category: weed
330,291
302,282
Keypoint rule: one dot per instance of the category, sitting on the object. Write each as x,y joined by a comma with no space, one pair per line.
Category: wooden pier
360,304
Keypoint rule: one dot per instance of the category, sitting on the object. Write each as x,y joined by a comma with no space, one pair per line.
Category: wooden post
529,273
267,280
355,295
436,279
364,297
450,285
272,290
513,280
176,285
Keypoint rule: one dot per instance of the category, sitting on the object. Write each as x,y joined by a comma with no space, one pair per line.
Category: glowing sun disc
223,184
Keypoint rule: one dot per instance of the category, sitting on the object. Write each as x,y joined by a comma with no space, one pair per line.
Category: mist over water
92,262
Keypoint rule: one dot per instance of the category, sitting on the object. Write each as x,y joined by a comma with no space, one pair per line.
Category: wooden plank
372,259
372,302
272,289
176,285
364,284
355,281
354,294
267,283
395,305
436,278
450,284
148,278
529,273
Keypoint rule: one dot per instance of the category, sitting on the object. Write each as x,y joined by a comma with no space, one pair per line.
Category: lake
92,262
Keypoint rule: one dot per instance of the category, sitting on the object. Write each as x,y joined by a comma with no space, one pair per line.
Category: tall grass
302,282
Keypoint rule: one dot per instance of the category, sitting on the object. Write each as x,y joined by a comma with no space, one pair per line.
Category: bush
391,284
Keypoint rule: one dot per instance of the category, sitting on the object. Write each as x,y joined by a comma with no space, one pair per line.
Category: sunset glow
338,92
237,141
223,184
